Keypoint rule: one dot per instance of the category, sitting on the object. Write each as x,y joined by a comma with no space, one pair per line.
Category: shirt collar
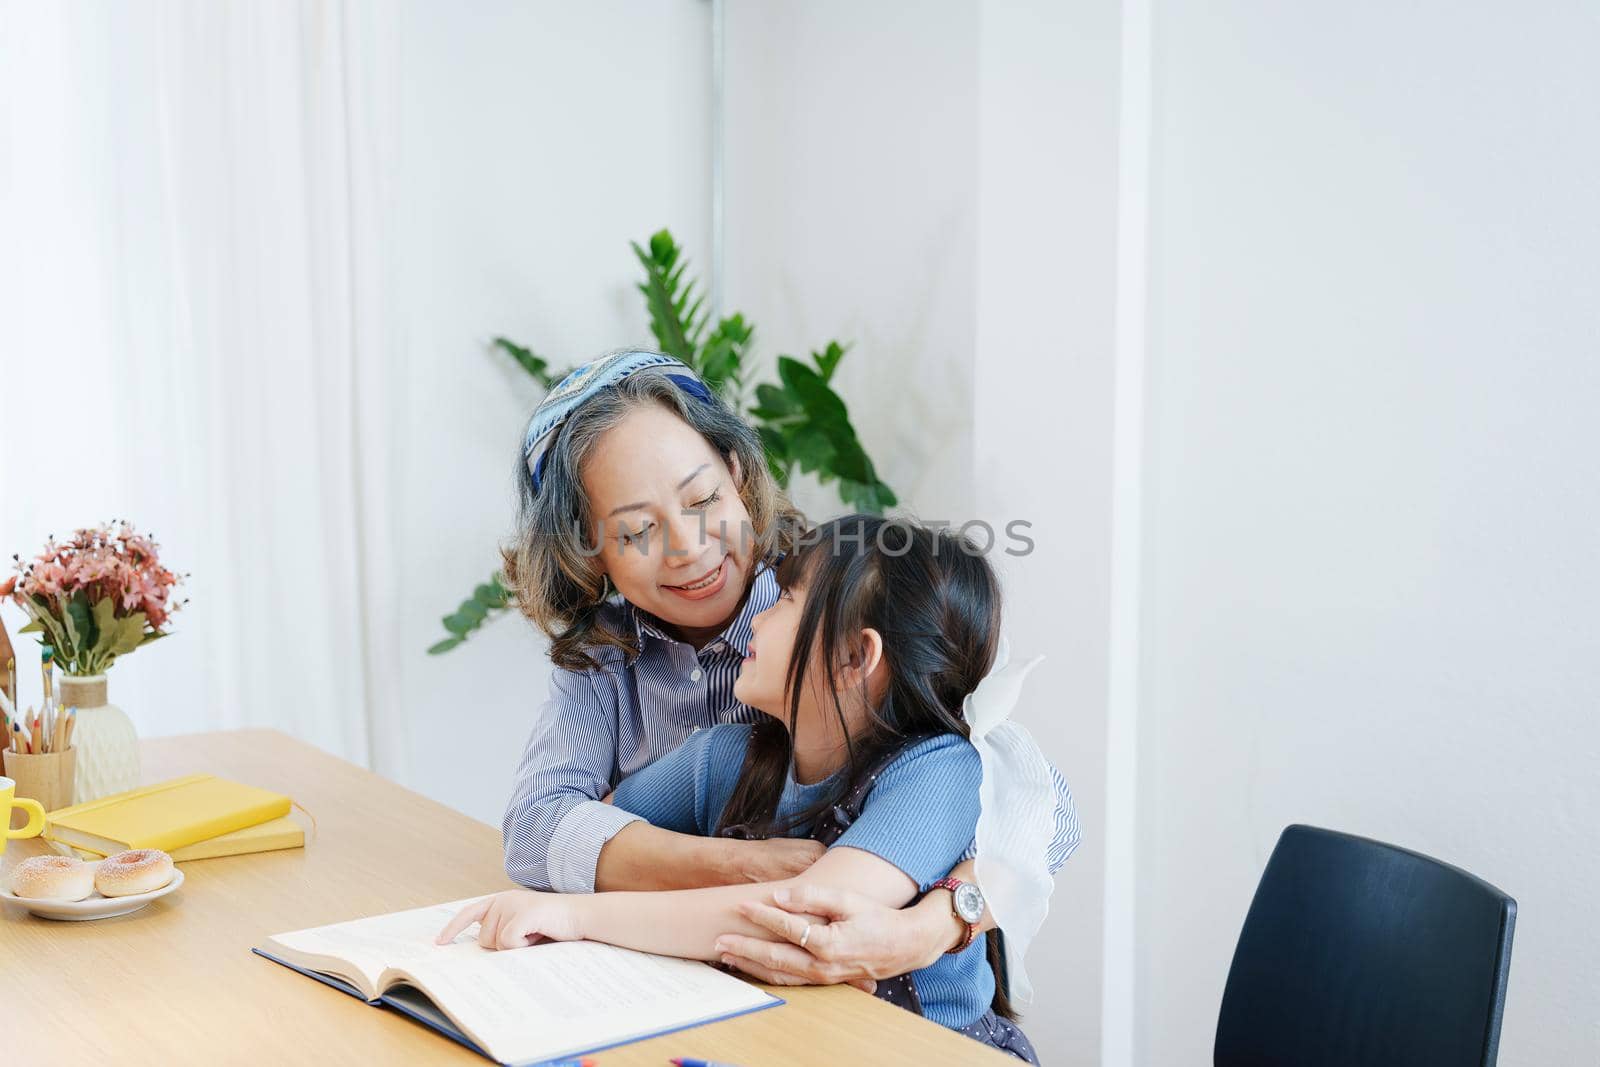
763,594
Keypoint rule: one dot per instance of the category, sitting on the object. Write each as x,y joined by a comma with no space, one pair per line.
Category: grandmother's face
676,537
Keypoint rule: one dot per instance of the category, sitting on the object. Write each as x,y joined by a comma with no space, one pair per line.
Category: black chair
1356,953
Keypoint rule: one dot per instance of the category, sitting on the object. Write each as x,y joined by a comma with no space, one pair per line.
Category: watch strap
954,884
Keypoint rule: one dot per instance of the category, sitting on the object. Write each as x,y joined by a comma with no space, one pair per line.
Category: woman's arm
558,835
645,857
554,825
858,938
667,852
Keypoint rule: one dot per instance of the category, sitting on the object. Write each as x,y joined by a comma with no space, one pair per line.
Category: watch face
969,903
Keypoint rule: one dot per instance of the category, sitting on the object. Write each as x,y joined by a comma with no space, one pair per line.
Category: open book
516,1006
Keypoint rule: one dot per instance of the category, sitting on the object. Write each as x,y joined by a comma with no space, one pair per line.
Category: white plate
94,906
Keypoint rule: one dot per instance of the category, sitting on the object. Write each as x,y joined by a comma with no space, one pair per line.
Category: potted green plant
803,422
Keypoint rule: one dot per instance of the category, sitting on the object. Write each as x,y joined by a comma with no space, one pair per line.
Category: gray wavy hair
550,564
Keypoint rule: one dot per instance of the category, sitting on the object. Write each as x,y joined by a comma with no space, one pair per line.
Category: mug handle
35,812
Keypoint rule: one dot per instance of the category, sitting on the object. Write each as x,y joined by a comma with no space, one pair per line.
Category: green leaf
828,359
662,247
537,367
491,598
444,646
774,402
676,320
129,634
48,622
105,624
774,441
809,446
80,625
849,461
471,609
822,404
459,625
722,358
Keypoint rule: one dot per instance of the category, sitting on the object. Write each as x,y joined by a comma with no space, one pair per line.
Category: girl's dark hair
550,563
935,602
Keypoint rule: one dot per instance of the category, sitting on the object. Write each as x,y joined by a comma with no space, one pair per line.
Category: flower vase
108,748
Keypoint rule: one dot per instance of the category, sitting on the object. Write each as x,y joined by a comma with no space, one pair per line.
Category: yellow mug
8,800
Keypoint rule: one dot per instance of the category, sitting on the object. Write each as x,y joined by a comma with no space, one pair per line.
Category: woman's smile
707,585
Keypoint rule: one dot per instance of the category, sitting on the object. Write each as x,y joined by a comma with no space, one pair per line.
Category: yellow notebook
267,837
168,815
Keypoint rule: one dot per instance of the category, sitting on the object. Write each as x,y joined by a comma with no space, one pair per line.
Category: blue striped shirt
919,816
599,726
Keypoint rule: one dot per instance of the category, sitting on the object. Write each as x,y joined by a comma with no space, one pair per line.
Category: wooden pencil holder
46,777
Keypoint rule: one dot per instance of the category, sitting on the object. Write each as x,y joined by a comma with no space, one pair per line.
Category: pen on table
686,1062
570,1063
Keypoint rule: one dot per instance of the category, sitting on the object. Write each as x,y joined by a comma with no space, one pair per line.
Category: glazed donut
141,870
52,878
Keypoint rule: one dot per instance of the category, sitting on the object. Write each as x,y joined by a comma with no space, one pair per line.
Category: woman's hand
518,918
773,860
855,941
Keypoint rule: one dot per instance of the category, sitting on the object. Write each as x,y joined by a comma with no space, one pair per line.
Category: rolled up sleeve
556,824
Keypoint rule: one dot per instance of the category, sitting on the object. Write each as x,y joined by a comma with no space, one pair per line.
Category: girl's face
675,536
764,673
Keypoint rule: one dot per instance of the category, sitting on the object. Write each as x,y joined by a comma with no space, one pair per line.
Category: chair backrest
1358,953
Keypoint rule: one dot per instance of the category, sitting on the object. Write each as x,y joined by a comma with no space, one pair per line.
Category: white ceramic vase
108,749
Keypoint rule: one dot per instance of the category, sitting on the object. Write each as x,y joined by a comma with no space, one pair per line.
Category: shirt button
696,674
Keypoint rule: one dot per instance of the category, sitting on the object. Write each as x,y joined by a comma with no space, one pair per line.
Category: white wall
937,182
1042,412
851,212
536,141
1372,480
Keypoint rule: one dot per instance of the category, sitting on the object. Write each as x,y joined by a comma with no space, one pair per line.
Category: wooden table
176,983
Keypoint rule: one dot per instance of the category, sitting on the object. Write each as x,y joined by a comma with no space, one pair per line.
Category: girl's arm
683,923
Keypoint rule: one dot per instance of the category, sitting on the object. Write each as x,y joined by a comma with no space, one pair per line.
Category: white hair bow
1017,820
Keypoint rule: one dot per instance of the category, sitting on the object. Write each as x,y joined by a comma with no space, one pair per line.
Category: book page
526,1004
557,998
368,946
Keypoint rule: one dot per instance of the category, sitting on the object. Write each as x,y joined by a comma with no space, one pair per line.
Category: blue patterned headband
584,382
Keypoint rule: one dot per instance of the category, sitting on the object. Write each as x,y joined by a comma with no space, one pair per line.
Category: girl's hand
773,860
518,918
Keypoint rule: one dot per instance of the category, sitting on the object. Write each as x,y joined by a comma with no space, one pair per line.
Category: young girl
881,630
649,522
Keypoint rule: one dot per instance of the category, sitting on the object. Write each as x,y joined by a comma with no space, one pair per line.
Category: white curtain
194,336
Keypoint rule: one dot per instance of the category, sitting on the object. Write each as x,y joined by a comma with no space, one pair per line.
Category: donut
140,870
52,878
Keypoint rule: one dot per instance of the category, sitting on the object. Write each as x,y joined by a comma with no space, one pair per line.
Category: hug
759,744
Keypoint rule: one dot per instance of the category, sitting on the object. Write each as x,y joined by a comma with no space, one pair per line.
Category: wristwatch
966,900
